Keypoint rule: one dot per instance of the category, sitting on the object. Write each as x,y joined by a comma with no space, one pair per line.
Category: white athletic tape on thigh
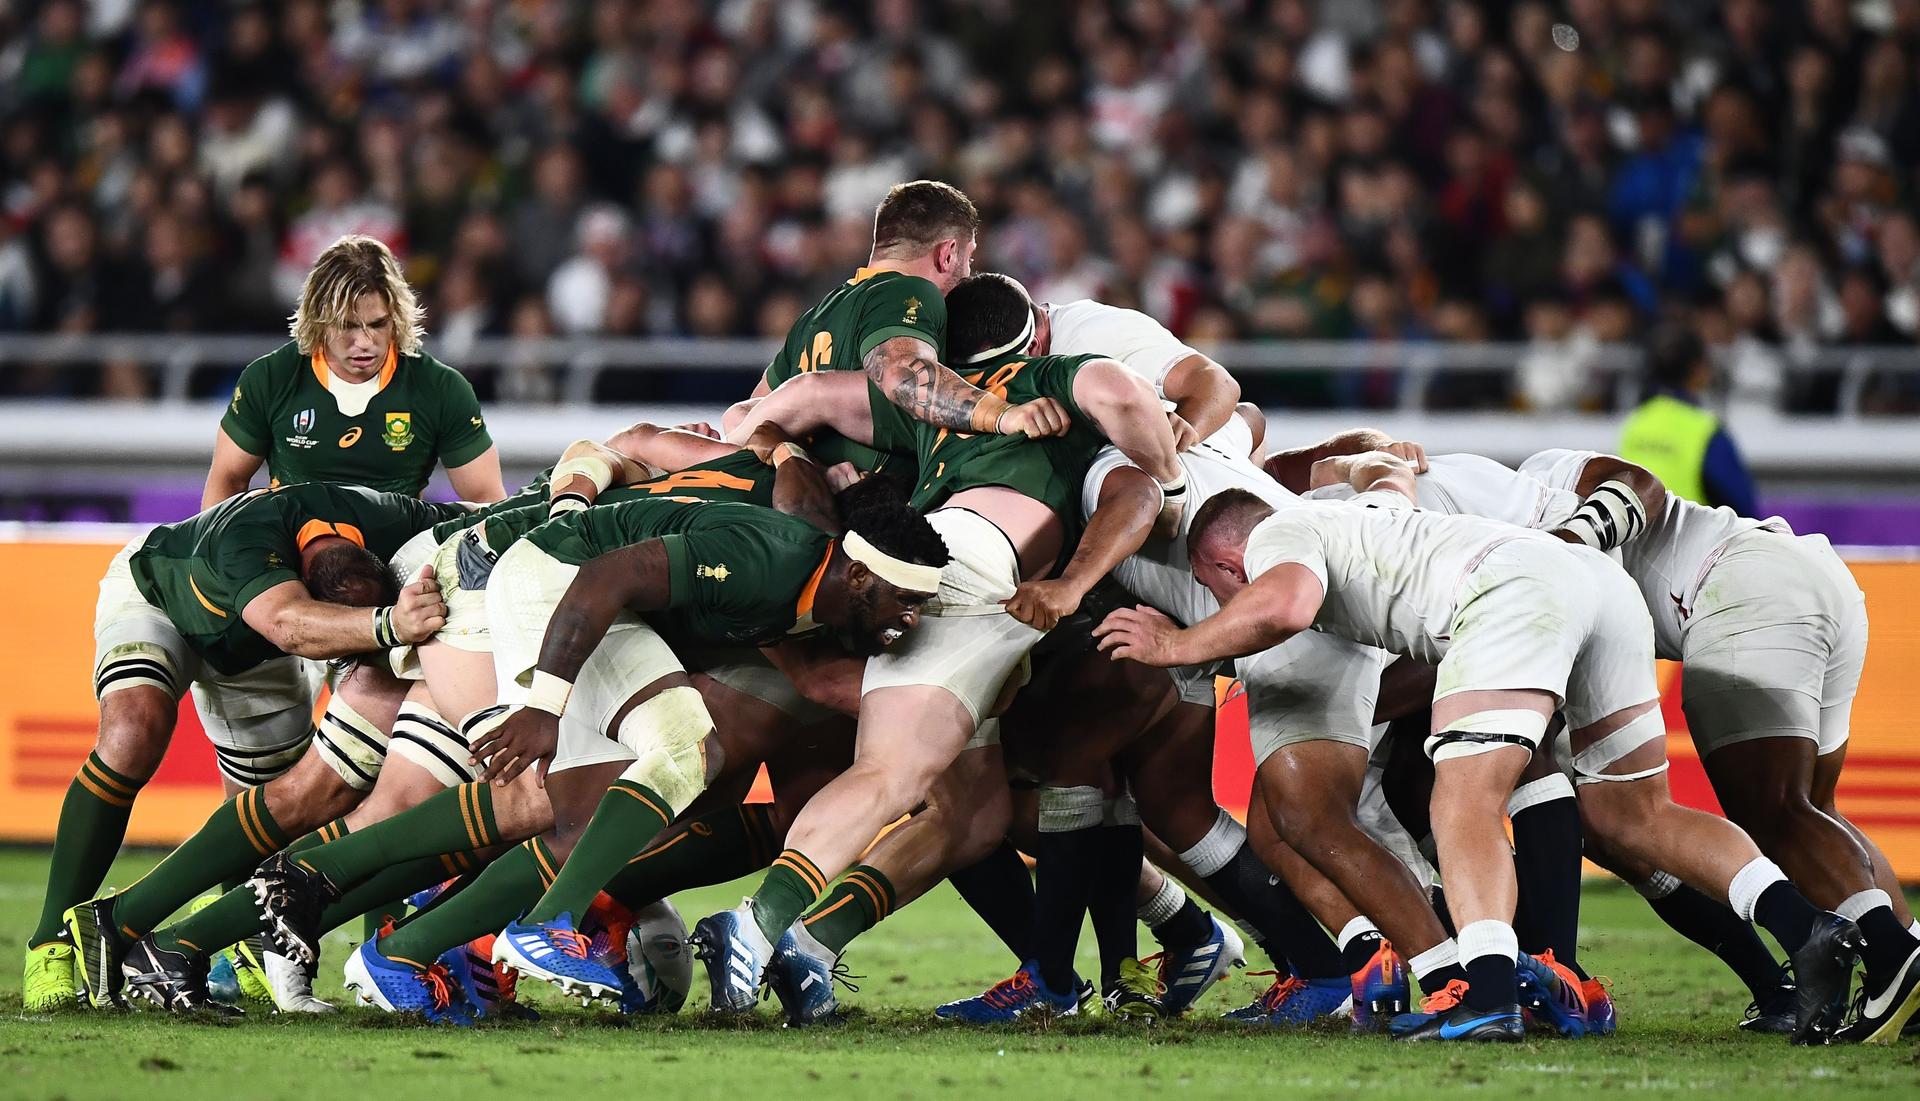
1485,731
352,745
1121,811
668,735
1535,792
132,664
1211,853
1750,882
440,749
1165,903
253,767
1063,810
1591,763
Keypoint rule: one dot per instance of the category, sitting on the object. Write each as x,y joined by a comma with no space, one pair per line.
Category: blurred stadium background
1451,219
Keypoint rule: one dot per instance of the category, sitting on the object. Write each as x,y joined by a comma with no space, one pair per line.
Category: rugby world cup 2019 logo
303,422
399,431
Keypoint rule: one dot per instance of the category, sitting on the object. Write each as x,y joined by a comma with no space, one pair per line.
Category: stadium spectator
1235,167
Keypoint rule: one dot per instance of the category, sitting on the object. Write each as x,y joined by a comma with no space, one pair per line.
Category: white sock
1863,901
1749,883
1211,853
1444,954
1359,926
1165,903
1488,938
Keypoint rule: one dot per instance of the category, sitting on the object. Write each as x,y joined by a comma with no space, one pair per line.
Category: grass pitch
1678,1007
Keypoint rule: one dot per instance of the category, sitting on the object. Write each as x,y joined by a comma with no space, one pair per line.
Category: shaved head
1217,540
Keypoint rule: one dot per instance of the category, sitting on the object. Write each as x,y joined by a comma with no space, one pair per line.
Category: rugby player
1772,632
1311,706
1004,507
238,603
1513,642
642,735
352,397
425,754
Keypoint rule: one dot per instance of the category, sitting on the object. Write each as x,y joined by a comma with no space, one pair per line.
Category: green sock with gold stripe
629,816
792,884
459,819
236,838
93,822
495,897
860,901
713,848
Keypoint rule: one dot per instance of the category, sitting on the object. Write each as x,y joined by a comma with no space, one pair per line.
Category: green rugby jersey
859,315
291,410
737,477
738,574
202,571
1050,470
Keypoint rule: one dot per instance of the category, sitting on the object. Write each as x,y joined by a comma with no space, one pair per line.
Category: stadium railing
582,380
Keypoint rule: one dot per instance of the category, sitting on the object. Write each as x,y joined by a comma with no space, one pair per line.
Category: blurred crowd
1416,170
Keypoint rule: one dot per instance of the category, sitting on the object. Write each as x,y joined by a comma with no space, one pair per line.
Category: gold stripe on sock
127,932
803,868
466,815
480,819
446,861
465,863
866,883
646,802
187,943
810,919
547,874
86,780
246,823
93,767
405,960
656,850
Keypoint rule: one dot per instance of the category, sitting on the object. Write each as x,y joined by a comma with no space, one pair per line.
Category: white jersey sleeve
1138,342
1158,573
1270,545
1670,561
1558,467
1473,485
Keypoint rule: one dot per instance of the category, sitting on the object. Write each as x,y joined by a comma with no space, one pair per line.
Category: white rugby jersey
1474,485
1158,573
1671,559
1391,571
1143,345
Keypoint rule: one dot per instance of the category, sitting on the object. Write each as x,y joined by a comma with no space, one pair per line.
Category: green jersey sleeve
908,306
462,431
250,558
246,421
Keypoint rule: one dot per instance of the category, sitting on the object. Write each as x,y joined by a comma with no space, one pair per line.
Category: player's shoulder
281,365
423,370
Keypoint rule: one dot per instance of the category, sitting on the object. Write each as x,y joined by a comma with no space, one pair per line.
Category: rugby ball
659,958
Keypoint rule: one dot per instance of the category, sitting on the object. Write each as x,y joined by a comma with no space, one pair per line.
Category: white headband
1021,341
901,574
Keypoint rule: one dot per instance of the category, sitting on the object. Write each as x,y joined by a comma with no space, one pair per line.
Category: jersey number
698,479
821,356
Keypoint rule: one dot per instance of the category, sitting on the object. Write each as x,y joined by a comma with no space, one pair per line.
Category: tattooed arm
912,377
634,577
